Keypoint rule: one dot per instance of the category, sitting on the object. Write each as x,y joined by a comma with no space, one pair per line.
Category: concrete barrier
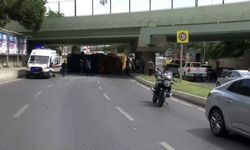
11,73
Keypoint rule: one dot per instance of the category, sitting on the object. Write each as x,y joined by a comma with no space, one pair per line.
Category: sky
84,7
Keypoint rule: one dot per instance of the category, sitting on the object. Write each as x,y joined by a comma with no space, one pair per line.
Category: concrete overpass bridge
146,31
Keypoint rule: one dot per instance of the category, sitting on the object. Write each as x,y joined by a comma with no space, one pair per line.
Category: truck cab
43,62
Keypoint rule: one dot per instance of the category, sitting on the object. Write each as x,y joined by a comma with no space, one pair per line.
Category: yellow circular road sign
182,36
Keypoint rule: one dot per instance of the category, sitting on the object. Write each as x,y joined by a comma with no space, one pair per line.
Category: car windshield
39,59
196,65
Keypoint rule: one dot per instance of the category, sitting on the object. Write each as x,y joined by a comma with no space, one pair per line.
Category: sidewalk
11,73
197,100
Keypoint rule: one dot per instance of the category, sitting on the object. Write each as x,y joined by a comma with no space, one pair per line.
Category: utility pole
196,3
110,5
92,7
59,7
149,5
223,2
172,4
129,9
75,6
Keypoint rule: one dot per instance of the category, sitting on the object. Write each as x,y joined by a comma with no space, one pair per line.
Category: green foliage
29,13
227,49
3,13
53,14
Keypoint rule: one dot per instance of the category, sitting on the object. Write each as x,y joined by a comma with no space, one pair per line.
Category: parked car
231,75
211,75
220,70
174,68
194,70
228,108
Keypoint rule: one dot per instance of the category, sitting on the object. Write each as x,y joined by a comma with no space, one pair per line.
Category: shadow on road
231,142
147,103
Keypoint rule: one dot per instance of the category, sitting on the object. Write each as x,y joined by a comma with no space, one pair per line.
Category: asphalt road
101,113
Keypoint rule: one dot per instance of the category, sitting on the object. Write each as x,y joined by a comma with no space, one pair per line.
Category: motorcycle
162,88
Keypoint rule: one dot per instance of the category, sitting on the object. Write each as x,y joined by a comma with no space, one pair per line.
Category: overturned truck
100,63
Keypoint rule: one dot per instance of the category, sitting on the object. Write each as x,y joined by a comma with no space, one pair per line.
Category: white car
231,75
228,108
194,70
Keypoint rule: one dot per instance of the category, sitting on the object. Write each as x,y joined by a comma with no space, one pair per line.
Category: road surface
101,113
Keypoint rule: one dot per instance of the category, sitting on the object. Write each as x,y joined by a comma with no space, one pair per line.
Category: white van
43,62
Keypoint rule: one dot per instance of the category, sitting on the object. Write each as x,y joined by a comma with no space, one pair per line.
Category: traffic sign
182,36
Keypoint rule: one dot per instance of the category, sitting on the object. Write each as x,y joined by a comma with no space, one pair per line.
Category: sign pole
182,37
181,58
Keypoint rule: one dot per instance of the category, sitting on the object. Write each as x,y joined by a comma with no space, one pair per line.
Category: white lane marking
125,114
189,105
132,80
145,87
173,99
10,81
166,146
99,87
98,82
202,109
58,81
134,128
49,86
18,114
138,83
38,94
106,96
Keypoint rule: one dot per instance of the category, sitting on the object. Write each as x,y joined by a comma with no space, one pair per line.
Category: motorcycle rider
156,87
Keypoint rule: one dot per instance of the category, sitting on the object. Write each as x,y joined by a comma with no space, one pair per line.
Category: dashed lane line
49,86
125,114
166,146
106,96
38,94
100,88
20,111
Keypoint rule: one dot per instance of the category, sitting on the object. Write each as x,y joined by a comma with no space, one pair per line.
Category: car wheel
217,123
217,84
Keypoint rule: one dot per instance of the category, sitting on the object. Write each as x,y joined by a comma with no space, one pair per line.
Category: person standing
150,67
64,68
88,67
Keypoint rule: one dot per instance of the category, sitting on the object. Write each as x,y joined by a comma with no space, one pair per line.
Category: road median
187,91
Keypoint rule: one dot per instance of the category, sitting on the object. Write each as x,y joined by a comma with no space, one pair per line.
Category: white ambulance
43,62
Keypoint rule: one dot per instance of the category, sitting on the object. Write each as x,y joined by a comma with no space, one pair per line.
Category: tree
52,14
29,13
227,49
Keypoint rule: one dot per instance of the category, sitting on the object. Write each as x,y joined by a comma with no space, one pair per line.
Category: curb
200,101
10,74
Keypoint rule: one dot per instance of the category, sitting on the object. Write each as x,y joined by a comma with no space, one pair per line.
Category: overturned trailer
100,63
